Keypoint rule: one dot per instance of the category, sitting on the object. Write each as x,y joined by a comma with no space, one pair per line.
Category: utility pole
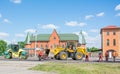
35,41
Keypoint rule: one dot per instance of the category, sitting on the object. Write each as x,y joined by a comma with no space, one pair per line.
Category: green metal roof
27,40
41,37
63,37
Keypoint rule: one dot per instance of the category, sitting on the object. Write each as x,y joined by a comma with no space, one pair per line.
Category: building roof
63,37
27,40
40,37
109,27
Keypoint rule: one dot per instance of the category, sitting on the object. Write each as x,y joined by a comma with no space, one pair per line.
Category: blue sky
17,17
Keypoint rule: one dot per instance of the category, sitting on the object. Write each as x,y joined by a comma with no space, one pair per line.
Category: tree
3,46
93,49
21,44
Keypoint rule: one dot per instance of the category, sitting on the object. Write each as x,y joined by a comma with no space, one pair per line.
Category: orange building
110,40
50,41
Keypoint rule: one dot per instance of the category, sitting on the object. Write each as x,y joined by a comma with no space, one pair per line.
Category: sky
18,17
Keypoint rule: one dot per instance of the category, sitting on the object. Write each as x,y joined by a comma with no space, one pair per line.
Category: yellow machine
75,53
15,52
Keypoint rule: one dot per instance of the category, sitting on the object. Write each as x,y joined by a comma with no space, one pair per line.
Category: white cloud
117,7
8,42
84,33
82,24
91,41
3,35
94,30
30,31
118,14
87,17
49,26
72,23
75,23
6,21
19,35
0,15
100,14
77,33
16,1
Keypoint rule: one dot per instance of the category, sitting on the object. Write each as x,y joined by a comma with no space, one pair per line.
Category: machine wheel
9,55
57,57
78,56
39,58
63,55
22,57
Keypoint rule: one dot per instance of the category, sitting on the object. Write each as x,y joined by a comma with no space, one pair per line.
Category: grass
79,68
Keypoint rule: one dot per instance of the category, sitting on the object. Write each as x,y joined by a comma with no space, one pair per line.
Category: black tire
22,58
73,56
57,57
63,56
78,56
39,58
10,55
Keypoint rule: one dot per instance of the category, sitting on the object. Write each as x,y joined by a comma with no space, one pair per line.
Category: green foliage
92,49
3,46
79,68
21,44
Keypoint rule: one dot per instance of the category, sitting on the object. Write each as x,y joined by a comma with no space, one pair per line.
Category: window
54,38
107,33
108,42
54,45
62,46
46,46
41,46
36,45
114,33
51,46
114,42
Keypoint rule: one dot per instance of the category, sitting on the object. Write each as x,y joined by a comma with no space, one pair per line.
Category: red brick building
110,40
50,41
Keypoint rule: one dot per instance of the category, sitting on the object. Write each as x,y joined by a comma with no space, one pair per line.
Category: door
110,54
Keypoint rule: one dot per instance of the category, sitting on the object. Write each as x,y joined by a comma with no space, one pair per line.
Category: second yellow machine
75,53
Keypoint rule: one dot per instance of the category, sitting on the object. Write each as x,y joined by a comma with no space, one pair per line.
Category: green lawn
79,68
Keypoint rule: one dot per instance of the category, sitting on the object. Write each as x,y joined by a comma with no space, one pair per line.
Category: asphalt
16,66
19,67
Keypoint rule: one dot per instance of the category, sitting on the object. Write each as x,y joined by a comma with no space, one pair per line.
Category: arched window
114,33
54,38
41,46
108,42
46,46
63,46
54,45
114,42
51,46
107,33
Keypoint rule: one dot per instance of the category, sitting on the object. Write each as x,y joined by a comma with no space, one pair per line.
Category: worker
71,47
87,57
41,53
100,57
114,54
106,55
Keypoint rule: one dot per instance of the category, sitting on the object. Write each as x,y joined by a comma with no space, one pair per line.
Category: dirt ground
19,67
